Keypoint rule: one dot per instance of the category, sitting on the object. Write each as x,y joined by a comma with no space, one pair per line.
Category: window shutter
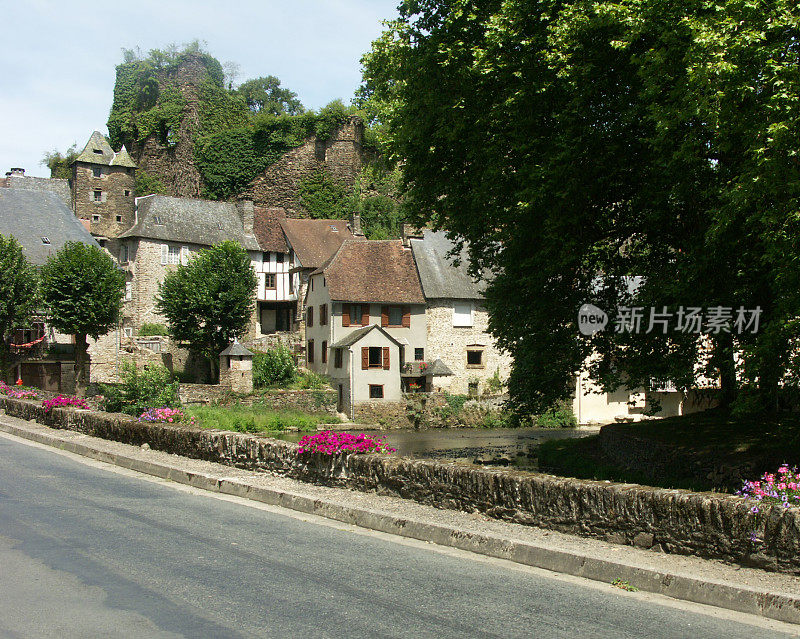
364,314
364,358
164,253
345,314
386,358
406,317
384,316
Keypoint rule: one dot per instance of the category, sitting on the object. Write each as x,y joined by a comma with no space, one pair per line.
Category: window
375,357
355,314
128,290
475,358
157,220
95,217
291,284
310,316
124,254
323,315
334,229
127,193
270,280
97,152
119,219
127,331
169,254
397,316
184,255
45,240
97,171
98,196
419,354
279,258
462,314
312,283
310,351
472,389
376,391
324,352
337,357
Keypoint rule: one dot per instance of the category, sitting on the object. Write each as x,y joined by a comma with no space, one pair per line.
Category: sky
58,57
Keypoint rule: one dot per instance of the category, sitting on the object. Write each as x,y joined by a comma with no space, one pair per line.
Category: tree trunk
81,365
724,362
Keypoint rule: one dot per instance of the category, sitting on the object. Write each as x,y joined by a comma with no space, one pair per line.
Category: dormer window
45,240
157,220
219,225
97,151
334,229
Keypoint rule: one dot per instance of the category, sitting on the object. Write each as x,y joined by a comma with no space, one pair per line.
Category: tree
18,296
574,144
60,164
265,95
82,289
209,301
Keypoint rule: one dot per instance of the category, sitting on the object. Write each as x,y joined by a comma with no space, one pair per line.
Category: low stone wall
307,400
705,524
427,410
202,393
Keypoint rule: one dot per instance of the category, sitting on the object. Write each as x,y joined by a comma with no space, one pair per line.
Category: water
496,446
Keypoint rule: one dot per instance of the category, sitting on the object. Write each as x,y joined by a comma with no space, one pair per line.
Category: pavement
758,594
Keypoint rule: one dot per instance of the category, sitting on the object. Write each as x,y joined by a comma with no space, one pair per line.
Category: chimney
247,213
16,172
410,232
355,224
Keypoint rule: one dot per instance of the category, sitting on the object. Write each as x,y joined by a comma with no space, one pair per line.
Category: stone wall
310,401
117,206
706,524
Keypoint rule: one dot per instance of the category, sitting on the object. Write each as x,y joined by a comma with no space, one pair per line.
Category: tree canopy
18,296
82,289
209,302
573,144
266,95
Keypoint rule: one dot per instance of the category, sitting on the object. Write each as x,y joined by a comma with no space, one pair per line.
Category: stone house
42,223
366,285
166,232
457,320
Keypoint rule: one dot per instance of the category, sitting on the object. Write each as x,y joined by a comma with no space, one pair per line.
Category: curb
783,607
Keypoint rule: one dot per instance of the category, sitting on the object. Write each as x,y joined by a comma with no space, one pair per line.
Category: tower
103,188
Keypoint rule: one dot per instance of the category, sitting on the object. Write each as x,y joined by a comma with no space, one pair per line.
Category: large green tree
82,289
209,301
18,296
575,143
266,95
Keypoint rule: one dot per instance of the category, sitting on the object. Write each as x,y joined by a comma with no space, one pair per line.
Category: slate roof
355,336
373,271
268,231
32,215
439,278
190,221
99,151
236,349
315,241
439,369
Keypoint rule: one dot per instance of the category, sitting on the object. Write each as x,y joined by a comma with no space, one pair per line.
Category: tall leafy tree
82,289
266,95
18,296
209,301
576,143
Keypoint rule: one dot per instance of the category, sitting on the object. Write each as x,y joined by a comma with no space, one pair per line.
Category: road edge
782,607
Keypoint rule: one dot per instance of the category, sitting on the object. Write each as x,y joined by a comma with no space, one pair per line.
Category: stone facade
107,202
710,525
451,343
309,401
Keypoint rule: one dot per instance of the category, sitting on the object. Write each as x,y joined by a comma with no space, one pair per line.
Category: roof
373,271
356,336
178,219
439,369
32,215
439,277
237,350
268,231
315,241
99,151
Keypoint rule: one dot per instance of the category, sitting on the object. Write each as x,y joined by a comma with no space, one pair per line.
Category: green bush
559,416
140,390
150,329
310,379
275,366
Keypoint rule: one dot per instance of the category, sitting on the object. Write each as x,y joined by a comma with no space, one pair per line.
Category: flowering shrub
63,400
164,415
332,443
782,488
17,393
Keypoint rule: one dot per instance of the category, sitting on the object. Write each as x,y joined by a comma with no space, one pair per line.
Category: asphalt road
89,552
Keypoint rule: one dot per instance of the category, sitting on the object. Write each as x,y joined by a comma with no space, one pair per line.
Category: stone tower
102,188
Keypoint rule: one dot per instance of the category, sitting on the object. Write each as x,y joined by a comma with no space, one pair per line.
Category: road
88,551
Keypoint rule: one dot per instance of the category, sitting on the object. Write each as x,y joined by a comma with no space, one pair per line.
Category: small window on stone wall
97,171
127,193
119,219
97,196
475,358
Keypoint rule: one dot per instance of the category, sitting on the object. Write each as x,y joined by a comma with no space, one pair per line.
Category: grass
714,439
256,419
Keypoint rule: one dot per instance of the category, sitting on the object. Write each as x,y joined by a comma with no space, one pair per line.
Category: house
457,321
42,223
311,243
166,232
365,320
